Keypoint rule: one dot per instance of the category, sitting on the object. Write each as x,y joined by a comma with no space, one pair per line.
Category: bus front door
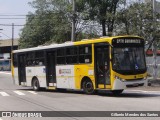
21,69
51,70
102,65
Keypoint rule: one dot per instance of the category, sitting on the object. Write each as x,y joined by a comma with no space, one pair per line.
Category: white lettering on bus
128,41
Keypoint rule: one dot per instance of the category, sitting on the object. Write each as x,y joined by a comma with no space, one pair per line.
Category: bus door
51,68
21,69
102,73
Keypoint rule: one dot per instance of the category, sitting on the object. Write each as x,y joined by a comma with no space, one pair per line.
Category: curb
154,83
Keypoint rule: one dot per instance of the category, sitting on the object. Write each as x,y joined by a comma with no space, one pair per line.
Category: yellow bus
106,63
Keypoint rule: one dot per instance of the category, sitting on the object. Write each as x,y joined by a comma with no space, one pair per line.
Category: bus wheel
35,84
88,87
116,92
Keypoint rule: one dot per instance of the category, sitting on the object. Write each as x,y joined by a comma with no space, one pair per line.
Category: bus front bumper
119,84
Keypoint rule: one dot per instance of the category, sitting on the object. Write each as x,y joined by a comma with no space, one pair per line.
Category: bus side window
41,63
30,57
71,55
39,58
85,54
29,62
61,59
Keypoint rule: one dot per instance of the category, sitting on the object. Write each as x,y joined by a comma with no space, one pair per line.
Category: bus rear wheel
87,86
35,84
116,92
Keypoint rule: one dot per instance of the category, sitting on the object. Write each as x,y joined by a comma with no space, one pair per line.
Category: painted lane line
0,119
4,94
18,92
33,92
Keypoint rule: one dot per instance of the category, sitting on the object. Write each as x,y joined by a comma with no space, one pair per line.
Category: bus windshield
129,59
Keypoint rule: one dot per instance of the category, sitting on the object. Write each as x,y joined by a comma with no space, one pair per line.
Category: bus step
51,88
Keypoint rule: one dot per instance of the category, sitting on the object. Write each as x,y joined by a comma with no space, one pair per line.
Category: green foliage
51,22
48,24
103,11
136,19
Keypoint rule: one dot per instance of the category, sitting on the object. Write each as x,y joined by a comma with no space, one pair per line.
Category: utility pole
0,30
73,21
154,43
12,37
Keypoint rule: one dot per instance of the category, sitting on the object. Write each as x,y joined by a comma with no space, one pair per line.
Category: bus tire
35,84
87,86
116,92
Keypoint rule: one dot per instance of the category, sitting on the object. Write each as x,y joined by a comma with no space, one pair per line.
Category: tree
103,11
48,24
136,19
51,23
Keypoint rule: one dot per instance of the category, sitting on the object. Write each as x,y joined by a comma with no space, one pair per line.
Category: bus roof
68,43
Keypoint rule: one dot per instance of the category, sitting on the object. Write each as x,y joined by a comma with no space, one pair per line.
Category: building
5,53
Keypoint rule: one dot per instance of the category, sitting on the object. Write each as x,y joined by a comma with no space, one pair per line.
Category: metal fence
150,70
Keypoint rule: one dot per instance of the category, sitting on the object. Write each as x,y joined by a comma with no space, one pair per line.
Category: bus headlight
117,77
145,78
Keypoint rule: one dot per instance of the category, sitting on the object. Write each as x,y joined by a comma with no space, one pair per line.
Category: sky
13,7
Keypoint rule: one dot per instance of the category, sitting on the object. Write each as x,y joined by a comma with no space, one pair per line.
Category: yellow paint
51,88
12,67
129,77
101,86
82,70
126,77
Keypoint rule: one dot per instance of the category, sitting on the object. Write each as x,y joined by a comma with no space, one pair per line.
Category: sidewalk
154,83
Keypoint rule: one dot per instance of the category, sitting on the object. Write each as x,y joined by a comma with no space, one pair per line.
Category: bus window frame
78,54
131,72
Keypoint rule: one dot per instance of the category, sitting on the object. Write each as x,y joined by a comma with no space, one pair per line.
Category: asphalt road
17,98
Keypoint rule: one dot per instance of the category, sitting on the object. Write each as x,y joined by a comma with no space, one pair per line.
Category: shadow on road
132,94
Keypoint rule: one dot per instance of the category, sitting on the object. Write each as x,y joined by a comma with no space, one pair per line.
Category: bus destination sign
128,41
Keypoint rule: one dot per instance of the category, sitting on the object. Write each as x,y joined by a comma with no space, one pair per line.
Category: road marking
4,94
18,92
0,119
33,92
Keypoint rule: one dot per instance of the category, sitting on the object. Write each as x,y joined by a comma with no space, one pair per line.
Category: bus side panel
15,76
39,72
85,70
65,76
